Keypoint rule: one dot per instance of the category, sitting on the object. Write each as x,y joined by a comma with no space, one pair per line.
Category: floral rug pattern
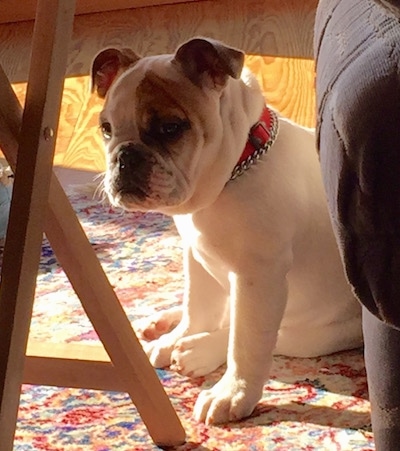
308,404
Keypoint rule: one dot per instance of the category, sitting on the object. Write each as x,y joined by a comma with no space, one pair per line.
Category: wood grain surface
276,35
17,10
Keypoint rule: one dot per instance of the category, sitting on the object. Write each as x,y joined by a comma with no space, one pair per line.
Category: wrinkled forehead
152,84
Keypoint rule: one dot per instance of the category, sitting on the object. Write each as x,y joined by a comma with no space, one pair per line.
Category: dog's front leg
258,300
204,305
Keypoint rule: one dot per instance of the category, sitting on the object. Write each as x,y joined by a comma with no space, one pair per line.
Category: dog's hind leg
157,324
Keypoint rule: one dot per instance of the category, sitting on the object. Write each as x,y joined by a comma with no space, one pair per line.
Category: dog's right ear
107,66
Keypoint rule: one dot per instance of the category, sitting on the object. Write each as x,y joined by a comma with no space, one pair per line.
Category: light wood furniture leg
22,249
22,252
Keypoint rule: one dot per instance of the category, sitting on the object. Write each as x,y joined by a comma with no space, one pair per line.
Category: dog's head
162,124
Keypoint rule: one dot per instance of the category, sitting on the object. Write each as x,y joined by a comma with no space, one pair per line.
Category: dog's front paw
200,354
159,351
231,399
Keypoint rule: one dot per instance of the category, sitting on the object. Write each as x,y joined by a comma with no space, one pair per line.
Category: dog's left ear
107,66
210,63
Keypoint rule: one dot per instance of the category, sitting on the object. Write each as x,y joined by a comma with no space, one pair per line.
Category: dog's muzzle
134,170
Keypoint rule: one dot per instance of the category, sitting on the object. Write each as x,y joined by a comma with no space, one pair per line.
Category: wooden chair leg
72,249
32,180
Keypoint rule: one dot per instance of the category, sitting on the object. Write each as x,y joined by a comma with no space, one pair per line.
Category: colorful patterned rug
308,404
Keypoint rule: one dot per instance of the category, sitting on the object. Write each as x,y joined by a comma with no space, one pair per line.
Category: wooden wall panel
288,85
17,10
85,148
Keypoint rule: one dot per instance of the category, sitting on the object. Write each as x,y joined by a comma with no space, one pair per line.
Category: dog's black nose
132,158
135,167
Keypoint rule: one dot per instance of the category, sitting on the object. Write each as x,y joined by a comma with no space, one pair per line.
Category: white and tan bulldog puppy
188,135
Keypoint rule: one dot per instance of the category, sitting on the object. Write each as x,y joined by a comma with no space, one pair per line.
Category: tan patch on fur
155,97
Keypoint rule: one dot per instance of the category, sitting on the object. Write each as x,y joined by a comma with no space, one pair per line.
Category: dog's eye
106,130
169,129
165,130
172,130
